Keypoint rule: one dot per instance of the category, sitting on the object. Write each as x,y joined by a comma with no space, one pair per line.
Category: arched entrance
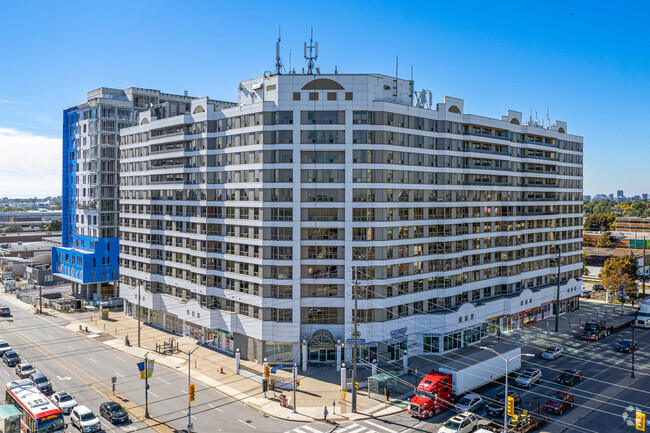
322,347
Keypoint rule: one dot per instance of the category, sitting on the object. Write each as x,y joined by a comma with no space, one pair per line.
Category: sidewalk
319,387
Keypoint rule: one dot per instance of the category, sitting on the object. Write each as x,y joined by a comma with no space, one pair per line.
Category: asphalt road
84,368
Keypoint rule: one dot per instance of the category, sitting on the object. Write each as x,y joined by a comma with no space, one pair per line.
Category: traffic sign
359,340
276,368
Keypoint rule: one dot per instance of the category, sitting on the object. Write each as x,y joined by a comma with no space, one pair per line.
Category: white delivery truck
643,315
470,369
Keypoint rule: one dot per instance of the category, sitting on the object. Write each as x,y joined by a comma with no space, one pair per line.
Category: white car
84,419
63,401
24,369
470,402
4,347
529,377
462,423
553,352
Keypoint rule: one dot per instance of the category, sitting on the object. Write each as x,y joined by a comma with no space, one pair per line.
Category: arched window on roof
199,109
454,109
322,84
515,121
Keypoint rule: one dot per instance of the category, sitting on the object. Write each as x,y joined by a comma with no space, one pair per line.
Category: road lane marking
5,372
244,422
121,375
92,360
163,380
54,358
70,347
150,392
375,425
123,360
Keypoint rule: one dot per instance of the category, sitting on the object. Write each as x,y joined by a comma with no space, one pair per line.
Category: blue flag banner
141,368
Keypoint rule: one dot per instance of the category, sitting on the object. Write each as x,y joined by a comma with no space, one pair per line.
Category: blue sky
586,61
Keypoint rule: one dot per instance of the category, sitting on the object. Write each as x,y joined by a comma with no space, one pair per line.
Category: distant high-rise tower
619,193
88,256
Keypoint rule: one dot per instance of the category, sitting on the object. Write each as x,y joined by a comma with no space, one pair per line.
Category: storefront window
396,350
431,344
366,354
278,353
452,341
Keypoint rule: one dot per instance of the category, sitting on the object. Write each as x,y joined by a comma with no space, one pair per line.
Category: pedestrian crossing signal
192,392
267,372
639,421
511,406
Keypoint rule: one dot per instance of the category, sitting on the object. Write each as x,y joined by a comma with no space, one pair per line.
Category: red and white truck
463,371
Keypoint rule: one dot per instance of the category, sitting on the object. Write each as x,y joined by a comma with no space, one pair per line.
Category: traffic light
267,372
297,383
639,421
510,403
356,385
192,392
265,385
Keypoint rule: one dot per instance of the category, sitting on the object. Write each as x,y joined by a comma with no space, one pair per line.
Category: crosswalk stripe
310,429
306,428
355,428
379,426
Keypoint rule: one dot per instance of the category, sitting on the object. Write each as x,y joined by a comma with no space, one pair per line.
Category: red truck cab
432,396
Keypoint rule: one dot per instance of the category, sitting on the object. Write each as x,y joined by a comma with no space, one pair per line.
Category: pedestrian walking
325,414
387,394
498,333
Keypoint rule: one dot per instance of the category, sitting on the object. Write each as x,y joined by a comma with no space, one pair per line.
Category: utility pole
295,377
146,386
557,296
139,287
644,273
354,344
40,299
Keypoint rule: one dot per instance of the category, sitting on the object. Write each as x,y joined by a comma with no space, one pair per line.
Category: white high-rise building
245,224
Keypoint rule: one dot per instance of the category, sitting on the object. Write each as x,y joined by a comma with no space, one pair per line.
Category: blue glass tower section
80,259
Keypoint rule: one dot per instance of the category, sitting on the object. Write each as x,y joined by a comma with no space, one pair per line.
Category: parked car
4,347
495,407
84,419
598,287
41,382
113,412
11,358
529,377
63,401
586,294
570,377
553,352
626,345
4,311
559,403
470,402
462,423
24,369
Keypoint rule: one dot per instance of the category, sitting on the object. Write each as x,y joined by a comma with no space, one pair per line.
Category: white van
643,315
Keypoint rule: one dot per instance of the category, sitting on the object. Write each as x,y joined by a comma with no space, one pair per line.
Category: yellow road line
38,347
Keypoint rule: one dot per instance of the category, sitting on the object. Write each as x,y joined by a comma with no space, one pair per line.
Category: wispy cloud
30,164
5,101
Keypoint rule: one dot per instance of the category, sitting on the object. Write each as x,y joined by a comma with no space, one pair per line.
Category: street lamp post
190,427
505,396
633,349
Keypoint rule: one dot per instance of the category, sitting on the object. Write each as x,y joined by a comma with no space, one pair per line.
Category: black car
113,412
626,345
570,377
5,311
494,407
11,358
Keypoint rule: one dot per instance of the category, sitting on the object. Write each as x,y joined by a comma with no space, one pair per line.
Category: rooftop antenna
396,73
313,54
548,119
278,63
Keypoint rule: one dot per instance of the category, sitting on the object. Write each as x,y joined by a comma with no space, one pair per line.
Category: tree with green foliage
13,229
606,240
627,264
601,222
54,226
585,271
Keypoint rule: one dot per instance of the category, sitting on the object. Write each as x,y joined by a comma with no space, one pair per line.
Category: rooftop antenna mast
396,73
313,54
548,119
278,63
